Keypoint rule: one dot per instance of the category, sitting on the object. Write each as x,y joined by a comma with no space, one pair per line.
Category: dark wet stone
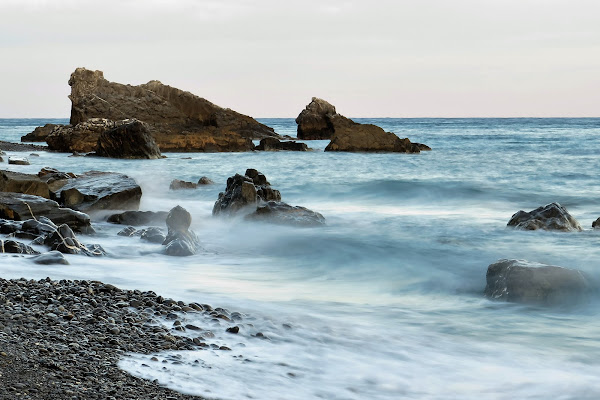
551,217
137,218
51,257
153,234
12,246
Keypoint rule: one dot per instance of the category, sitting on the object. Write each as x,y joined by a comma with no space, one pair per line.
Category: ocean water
385,301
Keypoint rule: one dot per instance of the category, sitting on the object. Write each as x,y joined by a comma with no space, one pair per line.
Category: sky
268,58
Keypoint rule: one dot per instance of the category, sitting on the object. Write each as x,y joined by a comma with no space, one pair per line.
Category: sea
386,300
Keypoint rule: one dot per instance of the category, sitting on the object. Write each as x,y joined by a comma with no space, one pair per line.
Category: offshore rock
96,190
40,133
21,207
532,283
274,144
137,218
81,137
245,192
596,224
282,213
64,240
551,217
315,121
205,180
130,139
152,234
177,184
178,120
23,183
180,240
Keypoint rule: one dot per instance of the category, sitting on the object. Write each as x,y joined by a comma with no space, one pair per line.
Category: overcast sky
267,58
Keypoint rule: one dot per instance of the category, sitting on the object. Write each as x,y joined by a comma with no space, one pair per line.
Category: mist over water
386,301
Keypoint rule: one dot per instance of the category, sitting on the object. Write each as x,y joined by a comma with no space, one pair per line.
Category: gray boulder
551,217
51,257
180,240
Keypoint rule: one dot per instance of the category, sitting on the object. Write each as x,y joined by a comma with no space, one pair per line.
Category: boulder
129,139
64,240
128,231
178,120
23,183
180,241
12,246
81,137
282,213
596,224
551,217
51,257
39,227
314,122
533,283
8,227
95,190
18,161
205,181
177,184
152,234
39,134
274,144
245,192
137,218
55,179
21,207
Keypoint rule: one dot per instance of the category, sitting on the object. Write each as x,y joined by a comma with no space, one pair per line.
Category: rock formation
39,134
551,217
525,282
12,246
64,240
178,120
177,184
130,139
273,144
23,183
315,121
81,137
282,213
180,240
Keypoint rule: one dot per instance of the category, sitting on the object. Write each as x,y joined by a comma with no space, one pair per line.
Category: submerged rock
137,218
177,184
532,283
51,257
152,234
205,181
551,217
130,139
282,213
180,240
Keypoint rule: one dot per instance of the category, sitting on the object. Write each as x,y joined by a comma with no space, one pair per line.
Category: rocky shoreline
63,339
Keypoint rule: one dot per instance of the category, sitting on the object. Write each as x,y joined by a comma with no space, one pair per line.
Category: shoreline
63,339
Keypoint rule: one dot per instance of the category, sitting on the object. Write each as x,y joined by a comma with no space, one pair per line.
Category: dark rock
421,147
41,227
137,218
233,329
23,183
64,240
95,190
273,144
129,139
178,120
8,227
551,217
18,160
21,207
205,181
153,234
180,241
532,283
283,213
314,122
39,134
596,224
51,257
12,246
177,184
81,137
128,231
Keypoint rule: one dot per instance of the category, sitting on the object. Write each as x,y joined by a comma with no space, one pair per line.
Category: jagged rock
18,182
525,282
180,241
21,207
596,224
55,179
244,192
95,190
12,246
137,218
51,257
178,120
551,217
283,213
205,181
422,147
177,184
64,240
274,144
81,137
40,227
153,234
129,139
40,133
314,122
18,161
8,227
128,231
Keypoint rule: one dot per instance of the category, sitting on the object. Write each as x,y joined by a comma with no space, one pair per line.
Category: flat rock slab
23,183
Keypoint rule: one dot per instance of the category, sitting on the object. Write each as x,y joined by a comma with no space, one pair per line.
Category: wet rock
51,257
128,231
95,190
284,214
153,234
205,181
12,246
177,184
180,240
40,133
533,283
65,241
18,182
81,137
137,218
596,224
274,144
8,227
130,139
40,227
21,207
551,217
18,161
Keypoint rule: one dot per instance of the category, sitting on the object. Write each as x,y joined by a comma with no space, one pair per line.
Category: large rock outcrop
130,139
178,120
319,120
533,283
40,133
81,137
551,217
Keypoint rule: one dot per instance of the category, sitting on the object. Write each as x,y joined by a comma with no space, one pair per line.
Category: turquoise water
386,301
